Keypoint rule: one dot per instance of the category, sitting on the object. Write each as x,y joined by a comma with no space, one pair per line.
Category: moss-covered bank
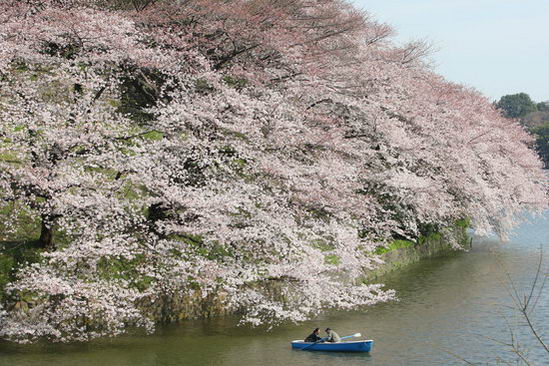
401,253
396,255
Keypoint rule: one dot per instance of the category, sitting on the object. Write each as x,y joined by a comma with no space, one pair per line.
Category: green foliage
322,244
202,86
14,255
10,158
7,263
516,105
189,239
397,244
123,4
125,269
332,259
542,142
21,66
534,116
427,229
27,225
234,82
23,253
108,173
236,134
239,163
463,223
131,192
212,250
543,107
9,155
217,251
430,237
153,136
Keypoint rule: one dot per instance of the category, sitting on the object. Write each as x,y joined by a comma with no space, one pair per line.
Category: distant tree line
534,116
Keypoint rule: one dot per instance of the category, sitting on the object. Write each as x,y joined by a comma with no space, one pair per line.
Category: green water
446,305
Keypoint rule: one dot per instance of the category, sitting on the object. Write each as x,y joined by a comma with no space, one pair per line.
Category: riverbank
400,253
396,256
178,307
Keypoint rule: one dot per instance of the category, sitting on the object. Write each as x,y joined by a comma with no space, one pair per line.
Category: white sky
497,46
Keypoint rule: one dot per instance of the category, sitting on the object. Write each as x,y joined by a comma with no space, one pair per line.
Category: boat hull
357,346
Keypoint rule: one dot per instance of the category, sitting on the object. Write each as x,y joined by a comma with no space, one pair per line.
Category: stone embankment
396,256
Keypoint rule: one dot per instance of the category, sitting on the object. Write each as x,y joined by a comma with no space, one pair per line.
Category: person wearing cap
313,337
332,336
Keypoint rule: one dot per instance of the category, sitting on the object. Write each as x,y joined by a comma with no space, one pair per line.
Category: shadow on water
334,357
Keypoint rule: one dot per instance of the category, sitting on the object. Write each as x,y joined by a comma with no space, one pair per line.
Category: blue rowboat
356,346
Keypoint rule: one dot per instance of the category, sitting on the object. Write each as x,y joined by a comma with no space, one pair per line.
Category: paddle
323,339
312,344
352,336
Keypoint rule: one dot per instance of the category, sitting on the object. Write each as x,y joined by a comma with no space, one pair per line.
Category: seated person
313,337
332,336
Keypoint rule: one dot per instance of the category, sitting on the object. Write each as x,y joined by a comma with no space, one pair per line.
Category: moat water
450,308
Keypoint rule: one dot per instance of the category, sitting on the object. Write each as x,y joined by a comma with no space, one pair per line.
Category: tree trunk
46,236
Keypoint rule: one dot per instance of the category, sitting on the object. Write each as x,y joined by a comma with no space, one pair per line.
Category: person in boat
313,337
332,336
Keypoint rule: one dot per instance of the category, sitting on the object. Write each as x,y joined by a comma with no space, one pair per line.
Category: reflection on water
447,304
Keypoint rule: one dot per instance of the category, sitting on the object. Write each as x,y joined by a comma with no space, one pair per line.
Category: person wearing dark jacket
313,337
